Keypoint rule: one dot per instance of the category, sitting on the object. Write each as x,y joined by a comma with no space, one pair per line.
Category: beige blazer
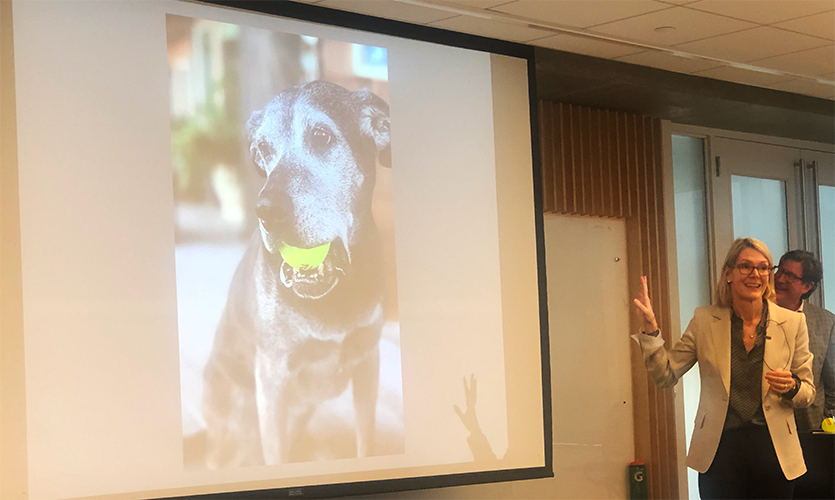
708,341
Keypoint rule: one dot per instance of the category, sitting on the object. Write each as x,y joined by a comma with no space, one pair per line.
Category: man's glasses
780,273
746,268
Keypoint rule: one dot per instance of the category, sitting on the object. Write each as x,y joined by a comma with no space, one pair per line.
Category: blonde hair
722,291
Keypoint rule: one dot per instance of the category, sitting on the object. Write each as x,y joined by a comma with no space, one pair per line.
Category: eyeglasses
746,268
779,273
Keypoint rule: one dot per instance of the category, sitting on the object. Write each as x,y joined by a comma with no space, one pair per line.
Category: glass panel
827,218
693,265
759,211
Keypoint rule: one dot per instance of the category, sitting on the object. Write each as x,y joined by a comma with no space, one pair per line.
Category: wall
608,164
591,387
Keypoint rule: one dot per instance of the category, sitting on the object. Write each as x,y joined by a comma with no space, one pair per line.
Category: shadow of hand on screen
479,445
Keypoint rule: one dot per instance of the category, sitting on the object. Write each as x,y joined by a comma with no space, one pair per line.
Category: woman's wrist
791,393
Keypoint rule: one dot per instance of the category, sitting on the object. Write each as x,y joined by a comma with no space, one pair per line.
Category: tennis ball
304,258
828,425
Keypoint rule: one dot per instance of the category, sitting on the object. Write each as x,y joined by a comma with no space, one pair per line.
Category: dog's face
317,145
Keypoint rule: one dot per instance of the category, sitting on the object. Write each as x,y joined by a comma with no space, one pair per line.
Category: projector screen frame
326,16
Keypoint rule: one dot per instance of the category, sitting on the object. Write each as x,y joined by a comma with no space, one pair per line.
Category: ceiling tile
807,87
744,76
747,45
473,4
579,13
490,28
667,61
763,11
822,25
390,10
807,62
688,25
587,46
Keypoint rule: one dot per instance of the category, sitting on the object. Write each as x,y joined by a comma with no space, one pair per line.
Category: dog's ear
257,154
253,123
373,118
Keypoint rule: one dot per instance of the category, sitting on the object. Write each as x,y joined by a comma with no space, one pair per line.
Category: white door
819,186
776,194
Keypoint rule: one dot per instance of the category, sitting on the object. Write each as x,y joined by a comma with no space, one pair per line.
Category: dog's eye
320,137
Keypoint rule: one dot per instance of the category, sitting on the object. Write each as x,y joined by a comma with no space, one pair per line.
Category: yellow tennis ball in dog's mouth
304,258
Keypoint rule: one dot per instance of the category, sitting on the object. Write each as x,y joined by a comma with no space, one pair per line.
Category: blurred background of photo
219,74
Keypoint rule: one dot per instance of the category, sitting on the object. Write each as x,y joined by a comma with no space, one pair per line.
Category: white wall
591,389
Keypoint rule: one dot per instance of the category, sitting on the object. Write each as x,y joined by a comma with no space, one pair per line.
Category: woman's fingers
643,306
643,295
780,380
640,306
646,314
778,375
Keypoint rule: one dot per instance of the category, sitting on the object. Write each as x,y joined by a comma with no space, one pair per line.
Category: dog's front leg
365,382
269,389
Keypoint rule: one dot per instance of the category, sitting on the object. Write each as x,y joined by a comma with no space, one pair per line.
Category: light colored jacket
707,341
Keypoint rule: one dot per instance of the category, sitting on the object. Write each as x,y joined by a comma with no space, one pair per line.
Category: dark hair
812,268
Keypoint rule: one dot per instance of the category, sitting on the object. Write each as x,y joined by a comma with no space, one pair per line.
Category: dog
291,337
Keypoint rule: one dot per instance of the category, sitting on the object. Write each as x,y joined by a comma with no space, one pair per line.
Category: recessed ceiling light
665,29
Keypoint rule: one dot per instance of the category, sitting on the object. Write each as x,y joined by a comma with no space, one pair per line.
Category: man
796,278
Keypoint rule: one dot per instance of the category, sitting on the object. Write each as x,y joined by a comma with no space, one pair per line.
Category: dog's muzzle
316,282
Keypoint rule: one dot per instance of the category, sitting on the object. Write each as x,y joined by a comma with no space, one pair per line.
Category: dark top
745,406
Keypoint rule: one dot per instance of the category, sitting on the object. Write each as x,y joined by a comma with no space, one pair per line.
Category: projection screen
265,253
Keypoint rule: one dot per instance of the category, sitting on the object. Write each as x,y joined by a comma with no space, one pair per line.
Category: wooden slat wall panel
606,163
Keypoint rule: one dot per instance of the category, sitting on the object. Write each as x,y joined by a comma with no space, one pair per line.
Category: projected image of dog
304,313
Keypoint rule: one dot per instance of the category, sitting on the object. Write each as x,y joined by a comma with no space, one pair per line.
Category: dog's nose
275,213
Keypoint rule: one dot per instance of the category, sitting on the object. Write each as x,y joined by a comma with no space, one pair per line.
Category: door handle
810,213
815,208
804,219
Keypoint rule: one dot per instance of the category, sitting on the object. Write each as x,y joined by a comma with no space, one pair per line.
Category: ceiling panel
491,28
763,11
808,88
743,76
670,62
821,25
588,46
807,62
474,4
688,25
798,40
748,45
580,13
390,10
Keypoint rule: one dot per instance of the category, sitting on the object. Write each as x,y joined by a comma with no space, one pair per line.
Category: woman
755,367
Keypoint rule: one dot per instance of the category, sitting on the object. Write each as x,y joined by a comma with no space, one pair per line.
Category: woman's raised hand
644,308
